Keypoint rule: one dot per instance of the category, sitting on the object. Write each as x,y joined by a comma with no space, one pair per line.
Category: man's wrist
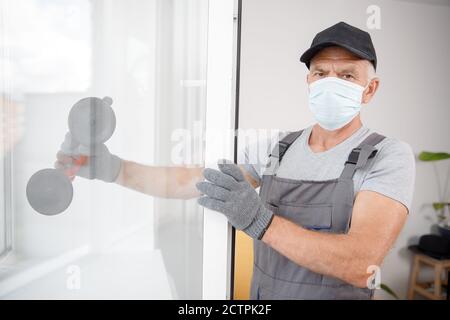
259,226
116,167
121,175
261,236
267,236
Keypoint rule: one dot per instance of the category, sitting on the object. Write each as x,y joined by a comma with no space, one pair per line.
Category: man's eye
318,74
348,77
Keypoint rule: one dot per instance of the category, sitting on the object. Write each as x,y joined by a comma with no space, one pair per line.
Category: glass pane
2,188
11,128
144,61
2,180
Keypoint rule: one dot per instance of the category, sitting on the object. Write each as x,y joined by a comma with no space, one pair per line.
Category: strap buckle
282,148
354,155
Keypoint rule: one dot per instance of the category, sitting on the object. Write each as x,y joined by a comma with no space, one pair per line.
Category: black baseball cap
343,35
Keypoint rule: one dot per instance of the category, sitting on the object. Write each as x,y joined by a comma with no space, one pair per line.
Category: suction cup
49,191
92,120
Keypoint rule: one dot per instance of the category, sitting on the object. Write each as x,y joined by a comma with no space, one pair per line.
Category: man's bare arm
166,182
376,222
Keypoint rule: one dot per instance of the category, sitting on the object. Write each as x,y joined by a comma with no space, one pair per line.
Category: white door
168,66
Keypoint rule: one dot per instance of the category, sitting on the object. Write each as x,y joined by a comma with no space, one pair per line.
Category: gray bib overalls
323,206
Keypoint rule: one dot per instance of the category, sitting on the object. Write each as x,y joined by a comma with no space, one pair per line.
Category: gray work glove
94,162
229,193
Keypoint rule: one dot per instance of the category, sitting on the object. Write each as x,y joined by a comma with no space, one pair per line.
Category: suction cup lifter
91,123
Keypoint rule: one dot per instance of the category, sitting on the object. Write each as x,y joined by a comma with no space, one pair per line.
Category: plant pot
444,230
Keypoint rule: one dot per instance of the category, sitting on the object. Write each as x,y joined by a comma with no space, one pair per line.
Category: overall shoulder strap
279,150
359,156
283,145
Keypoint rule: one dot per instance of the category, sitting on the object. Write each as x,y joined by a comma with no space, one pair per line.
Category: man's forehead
335,52
336,55
337,63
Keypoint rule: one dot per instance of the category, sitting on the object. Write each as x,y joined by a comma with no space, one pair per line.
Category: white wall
412,104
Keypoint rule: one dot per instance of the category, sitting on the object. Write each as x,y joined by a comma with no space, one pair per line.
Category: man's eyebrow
349,70
317,68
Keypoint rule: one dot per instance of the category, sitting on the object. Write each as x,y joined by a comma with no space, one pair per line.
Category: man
333,196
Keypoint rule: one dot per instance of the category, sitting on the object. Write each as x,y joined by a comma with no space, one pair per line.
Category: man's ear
371,90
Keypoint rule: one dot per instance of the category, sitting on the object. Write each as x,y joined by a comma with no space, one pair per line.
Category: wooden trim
421,288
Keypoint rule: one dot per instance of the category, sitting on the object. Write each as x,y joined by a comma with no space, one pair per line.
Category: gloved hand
94,162
229,193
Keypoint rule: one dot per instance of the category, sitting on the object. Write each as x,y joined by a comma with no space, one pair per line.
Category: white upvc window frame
220,122
5,200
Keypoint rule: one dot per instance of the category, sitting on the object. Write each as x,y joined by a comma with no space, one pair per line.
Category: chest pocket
309,216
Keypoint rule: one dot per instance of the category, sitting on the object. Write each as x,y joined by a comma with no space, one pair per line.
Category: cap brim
311,52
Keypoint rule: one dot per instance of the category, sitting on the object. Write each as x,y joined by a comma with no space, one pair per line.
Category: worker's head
341,63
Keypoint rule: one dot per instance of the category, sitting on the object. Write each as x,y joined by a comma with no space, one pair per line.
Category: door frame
220,142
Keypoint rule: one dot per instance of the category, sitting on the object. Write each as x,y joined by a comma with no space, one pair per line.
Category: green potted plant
442,207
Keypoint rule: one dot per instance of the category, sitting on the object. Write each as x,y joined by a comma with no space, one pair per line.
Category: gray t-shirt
391,172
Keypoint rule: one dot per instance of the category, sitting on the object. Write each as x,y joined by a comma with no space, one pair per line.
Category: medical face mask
335,102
